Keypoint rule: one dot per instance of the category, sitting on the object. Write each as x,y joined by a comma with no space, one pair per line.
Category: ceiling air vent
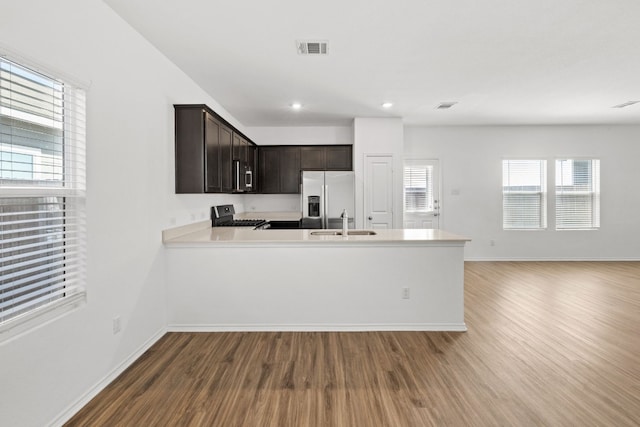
625,104
445,105
312,47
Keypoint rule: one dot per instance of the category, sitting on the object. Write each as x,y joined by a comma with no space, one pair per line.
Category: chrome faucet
345,222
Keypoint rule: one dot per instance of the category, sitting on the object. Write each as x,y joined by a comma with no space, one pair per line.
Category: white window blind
418,188
577,194
42,193
524,196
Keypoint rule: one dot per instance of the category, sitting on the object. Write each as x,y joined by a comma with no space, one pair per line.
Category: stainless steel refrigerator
324,196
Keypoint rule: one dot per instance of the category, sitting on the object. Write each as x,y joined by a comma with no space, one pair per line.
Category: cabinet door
269,170
226,157
313,158
212,155
190,155
339,158
237,143
290,170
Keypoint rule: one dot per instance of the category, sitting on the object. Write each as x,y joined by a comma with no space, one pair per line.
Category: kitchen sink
339,233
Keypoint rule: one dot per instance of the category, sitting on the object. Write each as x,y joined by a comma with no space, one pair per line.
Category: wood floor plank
549,343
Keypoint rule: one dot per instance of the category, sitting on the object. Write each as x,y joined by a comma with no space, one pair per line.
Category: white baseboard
70,411
449,327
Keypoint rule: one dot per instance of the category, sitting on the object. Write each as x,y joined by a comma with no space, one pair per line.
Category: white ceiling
503,61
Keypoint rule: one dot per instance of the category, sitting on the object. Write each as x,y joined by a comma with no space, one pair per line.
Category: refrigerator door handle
325,219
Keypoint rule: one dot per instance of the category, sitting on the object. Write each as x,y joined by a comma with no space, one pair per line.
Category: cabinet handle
370,218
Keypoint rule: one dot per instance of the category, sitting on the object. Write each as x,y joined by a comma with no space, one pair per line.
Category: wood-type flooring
549,344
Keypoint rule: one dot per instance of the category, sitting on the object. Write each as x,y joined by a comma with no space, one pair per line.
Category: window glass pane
32,265
31,124
577,194
418,188
524,196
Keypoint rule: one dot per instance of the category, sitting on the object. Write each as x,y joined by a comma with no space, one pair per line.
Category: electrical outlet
405,293
117,326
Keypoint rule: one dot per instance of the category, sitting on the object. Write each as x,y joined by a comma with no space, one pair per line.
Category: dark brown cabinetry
205,150
203,145
290,170
339,157
313,158
225,164
280,166
279,169
326,157
214,157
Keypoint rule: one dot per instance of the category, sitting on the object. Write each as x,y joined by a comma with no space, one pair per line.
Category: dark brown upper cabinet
204,150
226,156
290,170
198,150
339,157
313,157
280,165
326,157
279,169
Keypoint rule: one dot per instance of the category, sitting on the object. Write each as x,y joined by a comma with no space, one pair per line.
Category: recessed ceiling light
387,104
296,106
625,104
446,105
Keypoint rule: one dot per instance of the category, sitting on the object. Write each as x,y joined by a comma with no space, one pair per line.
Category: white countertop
213,236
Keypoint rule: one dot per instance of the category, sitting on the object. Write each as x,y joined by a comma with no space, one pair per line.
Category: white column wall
470,160
378,136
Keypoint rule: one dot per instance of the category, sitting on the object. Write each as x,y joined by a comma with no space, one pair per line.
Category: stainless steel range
222,216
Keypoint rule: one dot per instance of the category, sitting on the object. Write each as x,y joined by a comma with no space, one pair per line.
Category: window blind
418,188
524,197
577,194
42,193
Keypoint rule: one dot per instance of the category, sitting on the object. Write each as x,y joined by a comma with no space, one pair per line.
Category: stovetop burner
242,223
222,216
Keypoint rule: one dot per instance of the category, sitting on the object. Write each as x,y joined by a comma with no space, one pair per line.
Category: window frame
543,194
595,194
69,191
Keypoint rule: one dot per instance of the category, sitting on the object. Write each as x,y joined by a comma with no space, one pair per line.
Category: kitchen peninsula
239,279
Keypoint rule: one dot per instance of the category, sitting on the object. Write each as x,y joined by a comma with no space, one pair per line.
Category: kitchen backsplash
271,203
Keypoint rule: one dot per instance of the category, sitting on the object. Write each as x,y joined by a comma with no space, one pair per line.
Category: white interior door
421,198
378,191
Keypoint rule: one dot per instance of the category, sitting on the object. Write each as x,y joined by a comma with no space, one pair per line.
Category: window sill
19,325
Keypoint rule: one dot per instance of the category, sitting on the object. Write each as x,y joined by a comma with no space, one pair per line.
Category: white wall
470,159
378,136
132,89
301,135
